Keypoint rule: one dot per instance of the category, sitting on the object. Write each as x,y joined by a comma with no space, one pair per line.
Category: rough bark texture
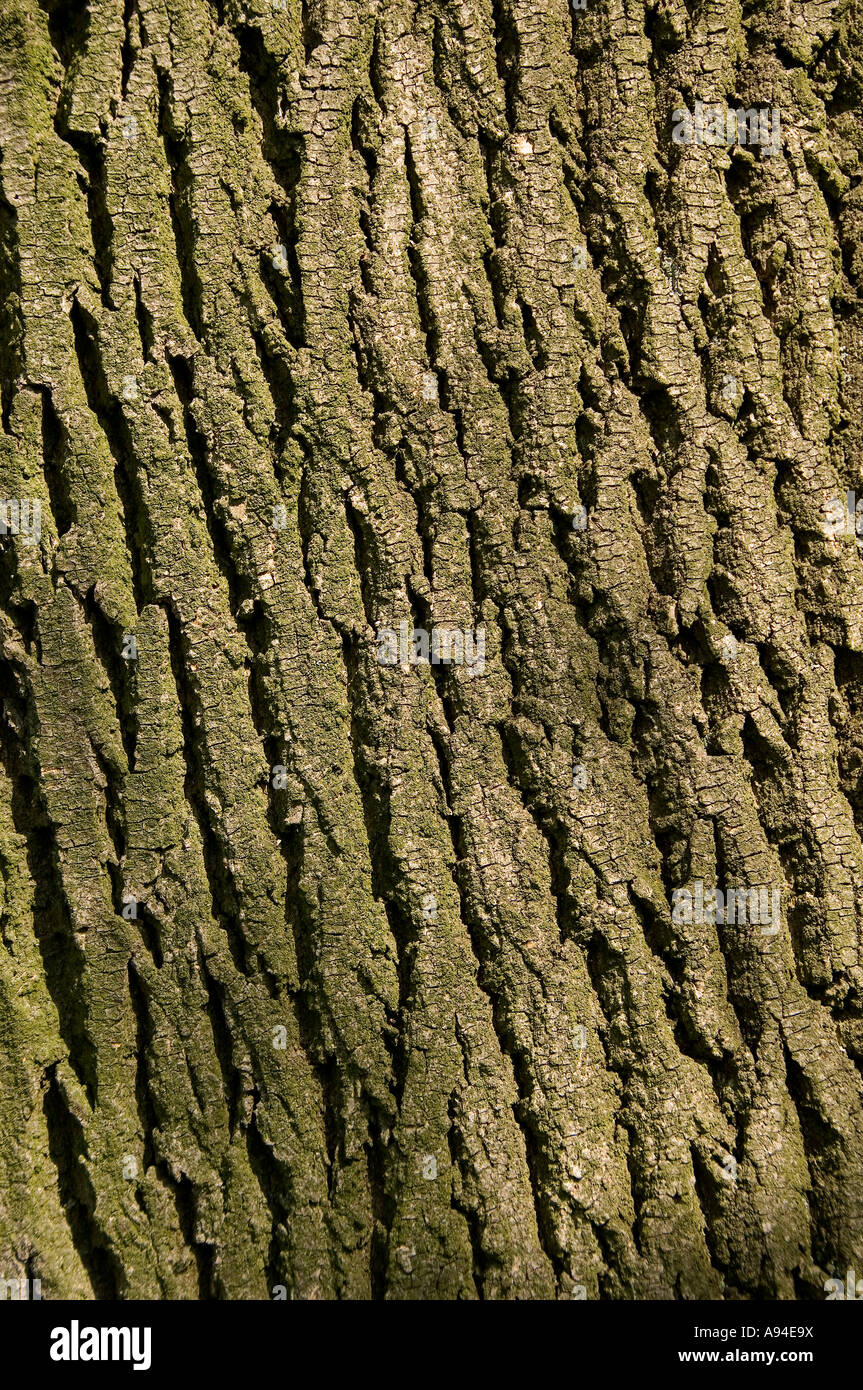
330,977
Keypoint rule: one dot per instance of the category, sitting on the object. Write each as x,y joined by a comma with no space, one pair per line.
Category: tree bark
326,971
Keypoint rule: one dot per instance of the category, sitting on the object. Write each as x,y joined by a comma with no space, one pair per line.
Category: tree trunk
339,339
